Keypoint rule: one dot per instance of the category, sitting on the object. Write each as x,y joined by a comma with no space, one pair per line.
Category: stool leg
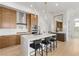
42,51
53,45
39,50
56,43
46,50
50,46
35,52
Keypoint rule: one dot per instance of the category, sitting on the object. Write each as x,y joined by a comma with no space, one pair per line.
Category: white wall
44,19
65,22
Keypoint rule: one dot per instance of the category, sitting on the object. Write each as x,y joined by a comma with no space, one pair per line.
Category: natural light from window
76,22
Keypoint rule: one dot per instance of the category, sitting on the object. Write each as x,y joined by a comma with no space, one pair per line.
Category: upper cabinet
7,18
0,17
32,21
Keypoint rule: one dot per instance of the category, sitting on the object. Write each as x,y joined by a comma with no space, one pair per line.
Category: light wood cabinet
18,39
7,18
6,41
28,20
0,17
32,20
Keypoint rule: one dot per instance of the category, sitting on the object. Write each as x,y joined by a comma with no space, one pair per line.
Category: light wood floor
69,48
11,51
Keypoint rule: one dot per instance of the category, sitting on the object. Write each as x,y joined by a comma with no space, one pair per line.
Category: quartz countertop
34,37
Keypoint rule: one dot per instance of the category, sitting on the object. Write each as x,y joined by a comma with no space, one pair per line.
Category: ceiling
51,6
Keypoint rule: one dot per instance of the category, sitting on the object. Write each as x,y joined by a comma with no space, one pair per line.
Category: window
76,22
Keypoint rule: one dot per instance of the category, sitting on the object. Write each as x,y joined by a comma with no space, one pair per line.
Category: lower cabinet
61,37
6,41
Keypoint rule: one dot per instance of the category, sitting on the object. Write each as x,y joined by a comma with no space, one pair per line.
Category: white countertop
34,37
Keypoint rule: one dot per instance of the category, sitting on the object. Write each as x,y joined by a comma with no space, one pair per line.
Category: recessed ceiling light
56,4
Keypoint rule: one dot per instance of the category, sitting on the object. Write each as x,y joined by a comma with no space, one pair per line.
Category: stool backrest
47,39
54,37
37,41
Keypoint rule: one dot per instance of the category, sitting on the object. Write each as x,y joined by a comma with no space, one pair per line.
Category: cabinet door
8,18
12,21
33,20
5,21
0,17
4,41
18,40
28,20
0,20
12,40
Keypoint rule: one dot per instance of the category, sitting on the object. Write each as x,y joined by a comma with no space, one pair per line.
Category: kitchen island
27,39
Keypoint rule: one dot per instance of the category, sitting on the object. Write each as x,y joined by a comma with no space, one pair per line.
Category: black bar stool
46,42
37,45
54,40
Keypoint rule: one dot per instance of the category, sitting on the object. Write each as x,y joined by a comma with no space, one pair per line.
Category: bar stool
46,42
37,45
54,40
